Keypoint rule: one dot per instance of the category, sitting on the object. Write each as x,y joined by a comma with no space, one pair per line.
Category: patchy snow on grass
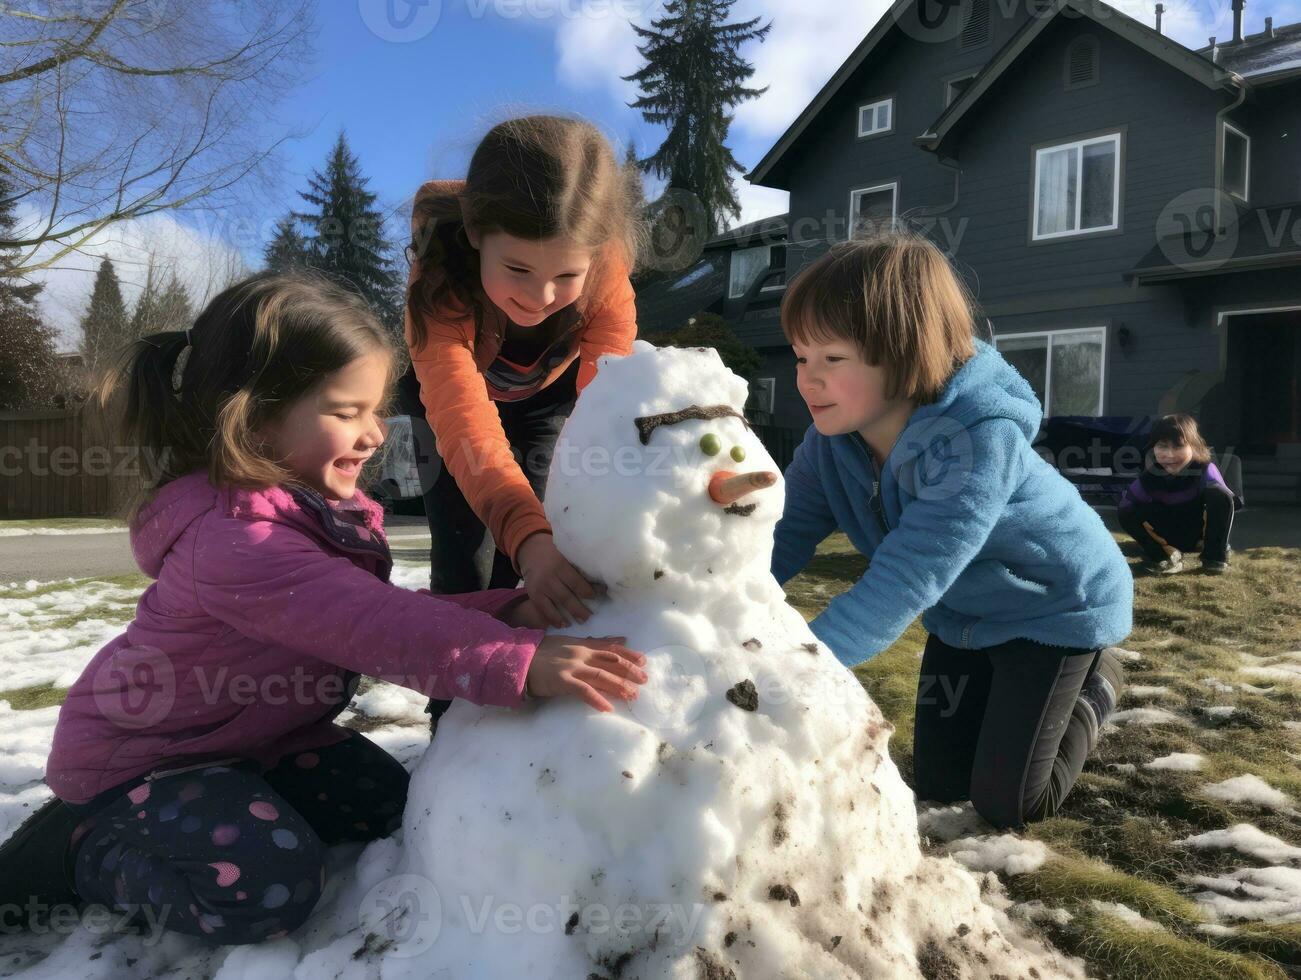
1036,911
1220,711
1128,768
1177,761
50,635
1127,915
1123,654
1246,839
1145,716
1285,667
1147,690
23,751
23,532
1005,853
1264,894
1248,788
1218,685
948,823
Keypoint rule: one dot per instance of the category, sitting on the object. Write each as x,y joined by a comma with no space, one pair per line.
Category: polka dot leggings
232,854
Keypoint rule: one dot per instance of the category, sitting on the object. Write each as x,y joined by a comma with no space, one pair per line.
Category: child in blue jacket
920,451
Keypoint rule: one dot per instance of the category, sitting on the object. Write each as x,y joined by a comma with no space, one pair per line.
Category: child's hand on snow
586,667
556,587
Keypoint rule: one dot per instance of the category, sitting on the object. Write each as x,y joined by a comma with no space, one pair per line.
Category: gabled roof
1264,58
879,30
765,231
666,299
1173,53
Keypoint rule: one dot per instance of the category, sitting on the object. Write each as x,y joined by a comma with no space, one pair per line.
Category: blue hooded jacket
966,524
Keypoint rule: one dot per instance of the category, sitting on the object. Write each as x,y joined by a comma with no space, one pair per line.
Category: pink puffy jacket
264,613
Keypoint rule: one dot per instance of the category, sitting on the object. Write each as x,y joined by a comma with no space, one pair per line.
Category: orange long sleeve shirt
459,401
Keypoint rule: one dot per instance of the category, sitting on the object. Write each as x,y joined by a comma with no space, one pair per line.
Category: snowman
741,818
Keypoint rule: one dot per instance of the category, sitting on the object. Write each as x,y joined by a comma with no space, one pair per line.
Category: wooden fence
61,463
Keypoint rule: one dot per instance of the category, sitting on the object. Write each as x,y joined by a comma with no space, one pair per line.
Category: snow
48,638
948,823
1266,894
1246,839
1008,853
1145,716
1177,761
22,532
1127,915
1036,911
1285,667
1127,655
1147,690
1248,788
1220,711
687,831
1218,685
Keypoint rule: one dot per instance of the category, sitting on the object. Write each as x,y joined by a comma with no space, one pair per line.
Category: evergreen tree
693,76
145,318
105,328
288,249
175,310
348,242
712,330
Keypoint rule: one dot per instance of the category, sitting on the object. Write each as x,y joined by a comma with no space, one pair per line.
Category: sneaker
1214,567
30,878
1170,566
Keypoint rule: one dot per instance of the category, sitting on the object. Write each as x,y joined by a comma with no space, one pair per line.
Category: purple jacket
249,643
1156,486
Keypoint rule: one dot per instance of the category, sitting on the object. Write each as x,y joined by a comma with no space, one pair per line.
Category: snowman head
657,472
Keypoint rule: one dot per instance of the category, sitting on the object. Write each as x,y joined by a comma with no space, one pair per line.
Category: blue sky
415,99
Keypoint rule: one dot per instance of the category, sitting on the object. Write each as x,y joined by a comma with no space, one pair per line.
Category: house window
955,87
876,117
763,393
1237,162
872,209
1064,367
1077,187
775,278
747,265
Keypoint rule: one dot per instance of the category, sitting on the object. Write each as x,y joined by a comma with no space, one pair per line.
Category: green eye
738,454
710,444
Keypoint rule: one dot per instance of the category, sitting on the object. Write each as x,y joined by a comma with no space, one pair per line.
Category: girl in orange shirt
518,284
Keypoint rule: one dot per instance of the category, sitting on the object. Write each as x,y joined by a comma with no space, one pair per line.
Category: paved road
48,557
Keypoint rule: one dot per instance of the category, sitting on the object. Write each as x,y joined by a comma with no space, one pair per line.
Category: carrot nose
726,487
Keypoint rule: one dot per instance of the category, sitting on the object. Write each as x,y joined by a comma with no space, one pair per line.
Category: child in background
198,771
920,451
518,284
1180,502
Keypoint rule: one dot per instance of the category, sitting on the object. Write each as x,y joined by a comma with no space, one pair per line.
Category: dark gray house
1126,210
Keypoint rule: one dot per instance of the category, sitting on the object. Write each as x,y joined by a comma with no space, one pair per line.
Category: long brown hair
534,177
897,299
255,349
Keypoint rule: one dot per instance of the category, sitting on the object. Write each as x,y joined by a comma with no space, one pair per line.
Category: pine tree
693,76
175,310
145,319
288,250
105,328
31,374
348,242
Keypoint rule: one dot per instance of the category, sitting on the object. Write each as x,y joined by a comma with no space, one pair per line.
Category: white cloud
199,253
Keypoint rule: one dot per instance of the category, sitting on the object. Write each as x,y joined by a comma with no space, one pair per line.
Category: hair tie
178,369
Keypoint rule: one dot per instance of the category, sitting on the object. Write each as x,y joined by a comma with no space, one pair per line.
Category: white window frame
731,269
872,107
1224,153
949,96
1048,368
892,186
1078,146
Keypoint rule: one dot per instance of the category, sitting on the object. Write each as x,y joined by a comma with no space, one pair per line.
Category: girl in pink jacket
197,769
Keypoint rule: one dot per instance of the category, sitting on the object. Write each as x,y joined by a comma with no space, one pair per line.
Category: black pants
227,852
456,534
1202,525
1003,727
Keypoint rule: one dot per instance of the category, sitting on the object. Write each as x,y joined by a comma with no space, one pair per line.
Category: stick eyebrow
647,424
